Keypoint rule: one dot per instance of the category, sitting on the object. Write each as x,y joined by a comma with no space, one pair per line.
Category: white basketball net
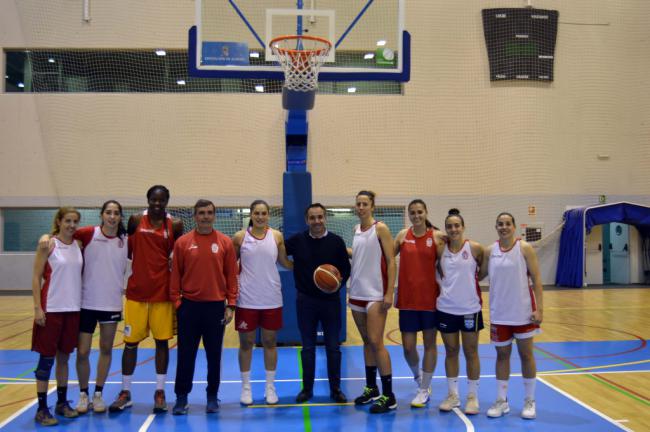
301,58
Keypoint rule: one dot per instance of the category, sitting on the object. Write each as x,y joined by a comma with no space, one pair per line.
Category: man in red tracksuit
204,290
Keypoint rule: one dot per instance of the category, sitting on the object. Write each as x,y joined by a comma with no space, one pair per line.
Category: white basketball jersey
459,291
511,295
62,287
105,260
366,281
259,279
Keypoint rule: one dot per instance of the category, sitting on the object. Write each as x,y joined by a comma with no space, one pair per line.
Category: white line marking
622,421
27,381
468,424
23,409
147,423
579,402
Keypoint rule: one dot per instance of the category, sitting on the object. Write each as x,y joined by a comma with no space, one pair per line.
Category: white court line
23,409
31,381
579,402
469,427
147,423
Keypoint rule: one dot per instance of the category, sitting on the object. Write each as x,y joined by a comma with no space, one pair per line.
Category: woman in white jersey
105,261
56,289
459,310
515,310
372,283
259,248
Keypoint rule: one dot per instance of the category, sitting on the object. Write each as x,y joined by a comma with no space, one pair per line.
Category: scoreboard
520,43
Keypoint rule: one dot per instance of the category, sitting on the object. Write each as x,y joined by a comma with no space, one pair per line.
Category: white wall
454,138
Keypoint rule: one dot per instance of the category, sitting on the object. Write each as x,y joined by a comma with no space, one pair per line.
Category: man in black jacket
310,249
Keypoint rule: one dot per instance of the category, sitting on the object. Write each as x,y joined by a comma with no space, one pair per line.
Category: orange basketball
327,278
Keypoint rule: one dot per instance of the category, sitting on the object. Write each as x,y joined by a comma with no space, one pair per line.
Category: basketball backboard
231,38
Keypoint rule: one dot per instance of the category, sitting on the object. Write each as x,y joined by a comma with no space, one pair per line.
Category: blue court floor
555,410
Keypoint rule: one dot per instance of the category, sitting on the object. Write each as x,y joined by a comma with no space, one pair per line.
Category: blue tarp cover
570,271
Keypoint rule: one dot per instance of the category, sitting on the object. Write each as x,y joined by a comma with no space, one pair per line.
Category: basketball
327,278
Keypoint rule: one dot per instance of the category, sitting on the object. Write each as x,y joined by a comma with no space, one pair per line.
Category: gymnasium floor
593,358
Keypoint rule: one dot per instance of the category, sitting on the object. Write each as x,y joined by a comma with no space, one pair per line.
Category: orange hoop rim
293,52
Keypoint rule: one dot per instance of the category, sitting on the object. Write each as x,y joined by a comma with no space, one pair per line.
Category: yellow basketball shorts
142,317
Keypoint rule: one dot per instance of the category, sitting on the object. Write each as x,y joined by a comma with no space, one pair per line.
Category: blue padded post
296,134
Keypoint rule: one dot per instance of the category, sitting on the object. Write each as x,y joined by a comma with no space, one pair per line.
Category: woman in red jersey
459,310
417,290
56,289
259,248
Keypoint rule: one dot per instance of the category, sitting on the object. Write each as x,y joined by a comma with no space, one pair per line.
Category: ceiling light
259,88
254,54
161,52
21,85
51,60
352,89
381,42
369,56
180,82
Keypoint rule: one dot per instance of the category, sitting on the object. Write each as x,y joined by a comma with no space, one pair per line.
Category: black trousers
311,311
198,320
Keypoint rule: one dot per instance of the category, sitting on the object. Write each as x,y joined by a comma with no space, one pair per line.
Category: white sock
160,381
452,385
246,378
416,370
126,382
426,380
529,387
270,377
502,389
472,387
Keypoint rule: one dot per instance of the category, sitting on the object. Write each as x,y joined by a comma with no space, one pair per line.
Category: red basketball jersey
150,248
417,287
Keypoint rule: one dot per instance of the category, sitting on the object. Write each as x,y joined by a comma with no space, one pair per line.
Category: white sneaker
450,403
246,395
83,404
471,406
270,394
529,411
98,403
421,398
499,408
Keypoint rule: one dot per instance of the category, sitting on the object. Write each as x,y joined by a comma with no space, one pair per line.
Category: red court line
17,401
620,386
14,335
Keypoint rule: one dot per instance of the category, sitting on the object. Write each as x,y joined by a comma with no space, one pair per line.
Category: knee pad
44,368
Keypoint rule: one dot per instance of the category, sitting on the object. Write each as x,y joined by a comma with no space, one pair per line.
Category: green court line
19,376
595,378
306,418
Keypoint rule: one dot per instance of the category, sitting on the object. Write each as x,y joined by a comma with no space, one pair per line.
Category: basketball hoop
301,57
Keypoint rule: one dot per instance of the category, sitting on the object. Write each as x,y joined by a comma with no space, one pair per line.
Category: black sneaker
383,404
213,405
338,396
369,394
181,406
304,396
